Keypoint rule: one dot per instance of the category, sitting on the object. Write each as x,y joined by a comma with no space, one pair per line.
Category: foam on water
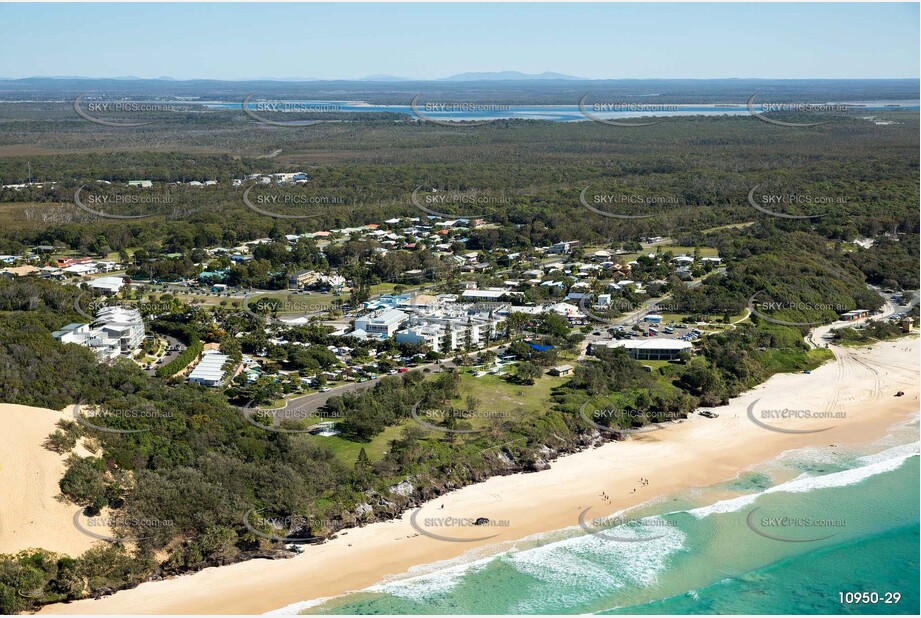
570,568
579,569
886,461
296,608
429,585
563,567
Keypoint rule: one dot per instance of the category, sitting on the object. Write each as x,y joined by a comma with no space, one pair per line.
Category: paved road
815,337
170,342
315,401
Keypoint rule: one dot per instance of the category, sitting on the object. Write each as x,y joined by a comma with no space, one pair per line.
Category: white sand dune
30,513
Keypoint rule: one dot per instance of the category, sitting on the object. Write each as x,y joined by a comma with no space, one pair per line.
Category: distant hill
508,76
385,78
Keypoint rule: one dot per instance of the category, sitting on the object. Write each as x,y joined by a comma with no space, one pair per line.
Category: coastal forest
196,461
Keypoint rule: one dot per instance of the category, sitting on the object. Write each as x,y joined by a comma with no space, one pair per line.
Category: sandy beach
30,513
860,384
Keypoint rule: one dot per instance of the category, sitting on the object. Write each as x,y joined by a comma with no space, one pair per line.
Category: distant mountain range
385,78
508,76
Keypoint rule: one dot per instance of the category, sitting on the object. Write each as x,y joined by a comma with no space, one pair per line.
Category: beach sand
861,382
31,515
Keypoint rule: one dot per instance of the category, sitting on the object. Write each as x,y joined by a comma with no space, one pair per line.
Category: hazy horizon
450,78
427,42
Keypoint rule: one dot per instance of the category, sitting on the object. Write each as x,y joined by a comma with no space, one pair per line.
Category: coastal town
547,321
489,311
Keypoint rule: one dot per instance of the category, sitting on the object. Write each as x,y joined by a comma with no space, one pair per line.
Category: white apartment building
431,327
381,323
429,335
126,325
115,331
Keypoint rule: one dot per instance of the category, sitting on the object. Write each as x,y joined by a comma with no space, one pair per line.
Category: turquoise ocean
806,533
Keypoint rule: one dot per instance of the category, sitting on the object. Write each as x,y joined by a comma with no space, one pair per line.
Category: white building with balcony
114,332
382,323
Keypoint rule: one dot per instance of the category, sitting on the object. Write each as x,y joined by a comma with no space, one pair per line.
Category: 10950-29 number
869,598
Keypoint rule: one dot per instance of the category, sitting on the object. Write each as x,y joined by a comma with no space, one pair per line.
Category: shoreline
698,452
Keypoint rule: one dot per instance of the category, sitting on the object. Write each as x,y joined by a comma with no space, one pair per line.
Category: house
64,262
80,270
601,255
324,429
212,275
568,311
563,247
50,272
302,279
143,184
579,296
19,271
561,370
856,314
559,285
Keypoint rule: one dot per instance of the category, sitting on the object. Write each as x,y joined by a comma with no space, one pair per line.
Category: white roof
210,367
652,343
483,293
109,283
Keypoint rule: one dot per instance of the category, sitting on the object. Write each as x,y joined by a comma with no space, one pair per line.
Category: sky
429,41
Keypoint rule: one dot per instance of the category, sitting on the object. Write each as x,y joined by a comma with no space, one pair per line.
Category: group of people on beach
643,482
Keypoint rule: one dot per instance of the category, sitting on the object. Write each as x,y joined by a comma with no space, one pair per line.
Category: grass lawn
498,395
716,318
384,288
347,451
495,396
675,249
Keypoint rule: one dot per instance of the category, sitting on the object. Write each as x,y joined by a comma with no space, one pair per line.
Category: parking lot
668,330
